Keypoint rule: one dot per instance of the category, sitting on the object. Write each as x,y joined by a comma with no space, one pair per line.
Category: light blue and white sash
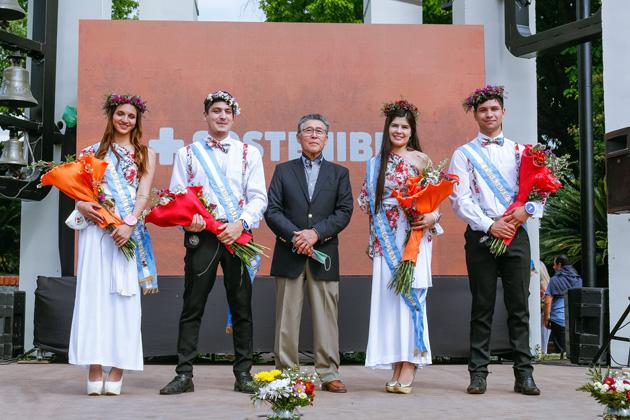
121,193
226,197
490,173
392,254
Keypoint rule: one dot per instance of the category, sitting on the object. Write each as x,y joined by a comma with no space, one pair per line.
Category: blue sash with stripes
416,301
489,172
121,193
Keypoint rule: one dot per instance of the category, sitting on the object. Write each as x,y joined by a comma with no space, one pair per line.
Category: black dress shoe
243,383
526,386
477,385
180,384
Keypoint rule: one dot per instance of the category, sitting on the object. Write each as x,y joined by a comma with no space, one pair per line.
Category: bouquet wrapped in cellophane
177,207
81,180
539,176
422,194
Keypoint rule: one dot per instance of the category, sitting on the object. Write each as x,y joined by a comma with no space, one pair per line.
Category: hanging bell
13,152
15,90
11,10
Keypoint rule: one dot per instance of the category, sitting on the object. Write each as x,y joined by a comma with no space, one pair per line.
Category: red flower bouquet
423,194
178,207
539,175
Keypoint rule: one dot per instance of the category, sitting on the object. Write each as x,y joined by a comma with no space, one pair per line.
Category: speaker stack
618,170
11,322
587,316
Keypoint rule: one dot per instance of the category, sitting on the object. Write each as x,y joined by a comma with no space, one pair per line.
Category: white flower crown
227,98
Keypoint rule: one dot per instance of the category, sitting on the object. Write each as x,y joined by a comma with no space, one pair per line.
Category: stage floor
56,391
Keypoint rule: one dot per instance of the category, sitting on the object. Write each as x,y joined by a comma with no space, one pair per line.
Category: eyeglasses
310,130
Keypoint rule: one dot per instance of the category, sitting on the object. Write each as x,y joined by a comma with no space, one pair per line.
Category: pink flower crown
401,104
481,95
113,100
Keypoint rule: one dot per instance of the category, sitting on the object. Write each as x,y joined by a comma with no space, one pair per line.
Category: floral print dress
391,329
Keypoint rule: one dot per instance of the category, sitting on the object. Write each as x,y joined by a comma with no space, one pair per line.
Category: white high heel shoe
113,388
94,387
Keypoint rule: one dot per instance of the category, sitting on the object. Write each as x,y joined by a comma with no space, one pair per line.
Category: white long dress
391,331
107,311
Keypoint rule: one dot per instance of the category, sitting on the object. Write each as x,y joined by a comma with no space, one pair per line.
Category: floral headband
400,104
481,95
225,97
113,100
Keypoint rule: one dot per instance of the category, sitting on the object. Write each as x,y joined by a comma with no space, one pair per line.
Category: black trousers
200,271
483,270
557,337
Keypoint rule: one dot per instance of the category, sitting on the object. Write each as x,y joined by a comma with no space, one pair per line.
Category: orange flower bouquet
422,194
81,180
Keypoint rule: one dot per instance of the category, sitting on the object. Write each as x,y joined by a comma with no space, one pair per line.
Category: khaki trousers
323,298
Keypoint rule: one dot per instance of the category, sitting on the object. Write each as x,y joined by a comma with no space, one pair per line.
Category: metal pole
586,153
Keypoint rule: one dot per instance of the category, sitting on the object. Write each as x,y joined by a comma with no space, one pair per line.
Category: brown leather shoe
334,386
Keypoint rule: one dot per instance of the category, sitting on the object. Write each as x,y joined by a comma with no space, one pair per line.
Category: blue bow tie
485,141
215,144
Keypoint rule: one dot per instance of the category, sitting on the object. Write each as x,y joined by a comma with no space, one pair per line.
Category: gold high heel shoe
391,386
406,388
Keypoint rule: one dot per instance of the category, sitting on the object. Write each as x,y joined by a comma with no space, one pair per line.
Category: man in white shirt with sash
487,167
233,181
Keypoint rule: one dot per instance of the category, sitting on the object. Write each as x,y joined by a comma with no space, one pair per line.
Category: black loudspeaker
11,322
587,323
618,170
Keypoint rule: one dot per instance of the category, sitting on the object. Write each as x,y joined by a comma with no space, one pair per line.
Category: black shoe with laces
180,384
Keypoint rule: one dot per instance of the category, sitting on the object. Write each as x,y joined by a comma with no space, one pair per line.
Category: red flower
627,395
310,388
609,380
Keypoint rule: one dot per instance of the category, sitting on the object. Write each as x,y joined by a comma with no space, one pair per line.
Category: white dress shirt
245,177
472,199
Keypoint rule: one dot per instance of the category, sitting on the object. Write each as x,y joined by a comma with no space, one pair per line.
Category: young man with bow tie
233,181
488,168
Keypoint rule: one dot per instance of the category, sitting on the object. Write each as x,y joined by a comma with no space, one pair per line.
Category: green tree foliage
124,9
558,87
323,11
9,236
558,124
432,12
560,228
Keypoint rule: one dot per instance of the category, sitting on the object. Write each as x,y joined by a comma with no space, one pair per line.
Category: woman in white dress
107,314
398,336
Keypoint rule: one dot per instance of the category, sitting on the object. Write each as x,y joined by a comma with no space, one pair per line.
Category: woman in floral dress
391,342
107,314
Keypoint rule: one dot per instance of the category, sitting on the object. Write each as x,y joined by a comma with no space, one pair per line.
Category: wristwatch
530,208
245,225
130,220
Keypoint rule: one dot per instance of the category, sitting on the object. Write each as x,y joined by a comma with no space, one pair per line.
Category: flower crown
401,104
113,100
225,97
481,95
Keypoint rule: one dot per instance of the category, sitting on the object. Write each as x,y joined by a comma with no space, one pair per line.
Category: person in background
565,277
544,282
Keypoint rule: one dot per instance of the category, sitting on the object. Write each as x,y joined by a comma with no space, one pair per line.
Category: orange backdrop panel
279,72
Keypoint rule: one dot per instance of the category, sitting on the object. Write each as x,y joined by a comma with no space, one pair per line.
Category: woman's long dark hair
140,150
386,147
